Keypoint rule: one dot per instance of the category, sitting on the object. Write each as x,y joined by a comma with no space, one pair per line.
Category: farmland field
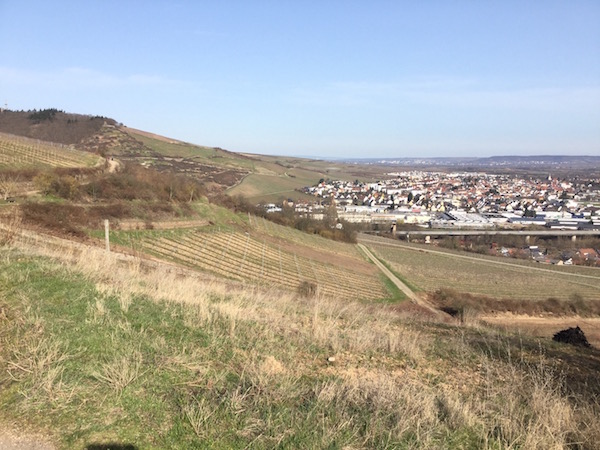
493,277
259,259
19,152
273,188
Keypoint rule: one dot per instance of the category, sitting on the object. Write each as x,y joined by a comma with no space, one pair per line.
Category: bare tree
8,185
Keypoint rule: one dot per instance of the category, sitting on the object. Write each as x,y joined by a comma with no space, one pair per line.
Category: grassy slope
268,180
208,155
224,237
98,351
272,188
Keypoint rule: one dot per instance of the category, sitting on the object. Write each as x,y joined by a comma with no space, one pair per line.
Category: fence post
106,235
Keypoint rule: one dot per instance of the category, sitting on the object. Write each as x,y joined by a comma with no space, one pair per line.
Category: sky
321,78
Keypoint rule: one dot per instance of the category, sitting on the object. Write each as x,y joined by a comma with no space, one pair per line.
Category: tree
8,185
330,215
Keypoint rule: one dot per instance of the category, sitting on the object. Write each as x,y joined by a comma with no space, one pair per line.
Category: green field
489,276
272,188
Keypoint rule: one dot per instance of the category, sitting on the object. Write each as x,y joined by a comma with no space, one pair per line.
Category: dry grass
10,225
121,371
41,363
282,370
545,327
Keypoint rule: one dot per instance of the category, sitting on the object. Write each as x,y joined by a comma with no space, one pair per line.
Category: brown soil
15,439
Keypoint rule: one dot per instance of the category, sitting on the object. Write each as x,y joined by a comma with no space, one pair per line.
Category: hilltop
52,125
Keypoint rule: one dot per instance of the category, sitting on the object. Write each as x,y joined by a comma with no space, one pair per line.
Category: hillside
208,326
100,348
219,169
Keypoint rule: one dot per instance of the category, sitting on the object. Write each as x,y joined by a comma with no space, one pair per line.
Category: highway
549,233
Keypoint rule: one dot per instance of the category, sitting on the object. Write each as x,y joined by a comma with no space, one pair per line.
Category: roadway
548,233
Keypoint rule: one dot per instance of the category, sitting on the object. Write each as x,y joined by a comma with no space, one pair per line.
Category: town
460,200
421,200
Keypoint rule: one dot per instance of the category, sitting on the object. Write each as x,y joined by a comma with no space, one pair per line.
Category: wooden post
106,235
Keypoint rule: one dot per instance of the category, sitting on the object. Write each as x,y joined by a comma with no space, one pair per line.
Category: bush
65,186
139,183
307,289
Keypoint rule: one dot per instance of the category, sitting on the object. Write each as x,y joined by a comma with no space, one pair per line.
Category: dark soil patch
573,336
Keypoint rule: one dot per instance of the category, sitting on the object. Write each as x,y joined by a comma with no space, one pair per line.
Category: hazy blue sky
327,78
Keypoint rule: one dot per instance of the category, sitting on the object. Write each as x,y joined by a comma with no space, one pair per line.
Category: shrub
307,289
65,186
139,183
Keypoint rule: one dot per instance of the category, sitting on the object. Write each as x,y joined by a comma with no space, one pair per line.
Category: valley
212,323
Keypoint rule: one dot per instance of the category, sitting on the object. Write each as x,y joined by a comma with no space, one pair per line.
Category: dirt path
113,165
394,279
15,440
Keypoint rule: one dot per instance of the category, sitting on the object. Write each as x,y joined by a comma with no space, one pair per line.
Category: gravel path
14,440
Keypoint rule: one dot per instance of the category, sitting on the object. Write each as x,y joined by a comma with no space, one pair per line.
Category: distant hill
534,161
52,125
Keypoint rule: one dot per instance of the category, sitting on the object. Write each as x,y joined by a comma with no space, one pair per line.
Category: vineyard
299,237
482,276
19,152
241,256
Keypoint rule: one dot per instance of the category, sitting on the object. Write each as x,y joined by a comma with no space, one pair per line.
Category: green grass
411,286
396,295
272,188
480,276
173,398
99,352
219,215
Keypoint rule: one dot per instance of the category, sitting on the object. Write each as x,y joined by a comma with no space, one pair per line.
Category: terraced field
245,257
18,152
429,269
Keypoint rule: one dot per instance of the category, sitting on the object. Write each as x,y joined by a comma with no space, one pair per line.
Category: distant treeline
43,114
288,217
